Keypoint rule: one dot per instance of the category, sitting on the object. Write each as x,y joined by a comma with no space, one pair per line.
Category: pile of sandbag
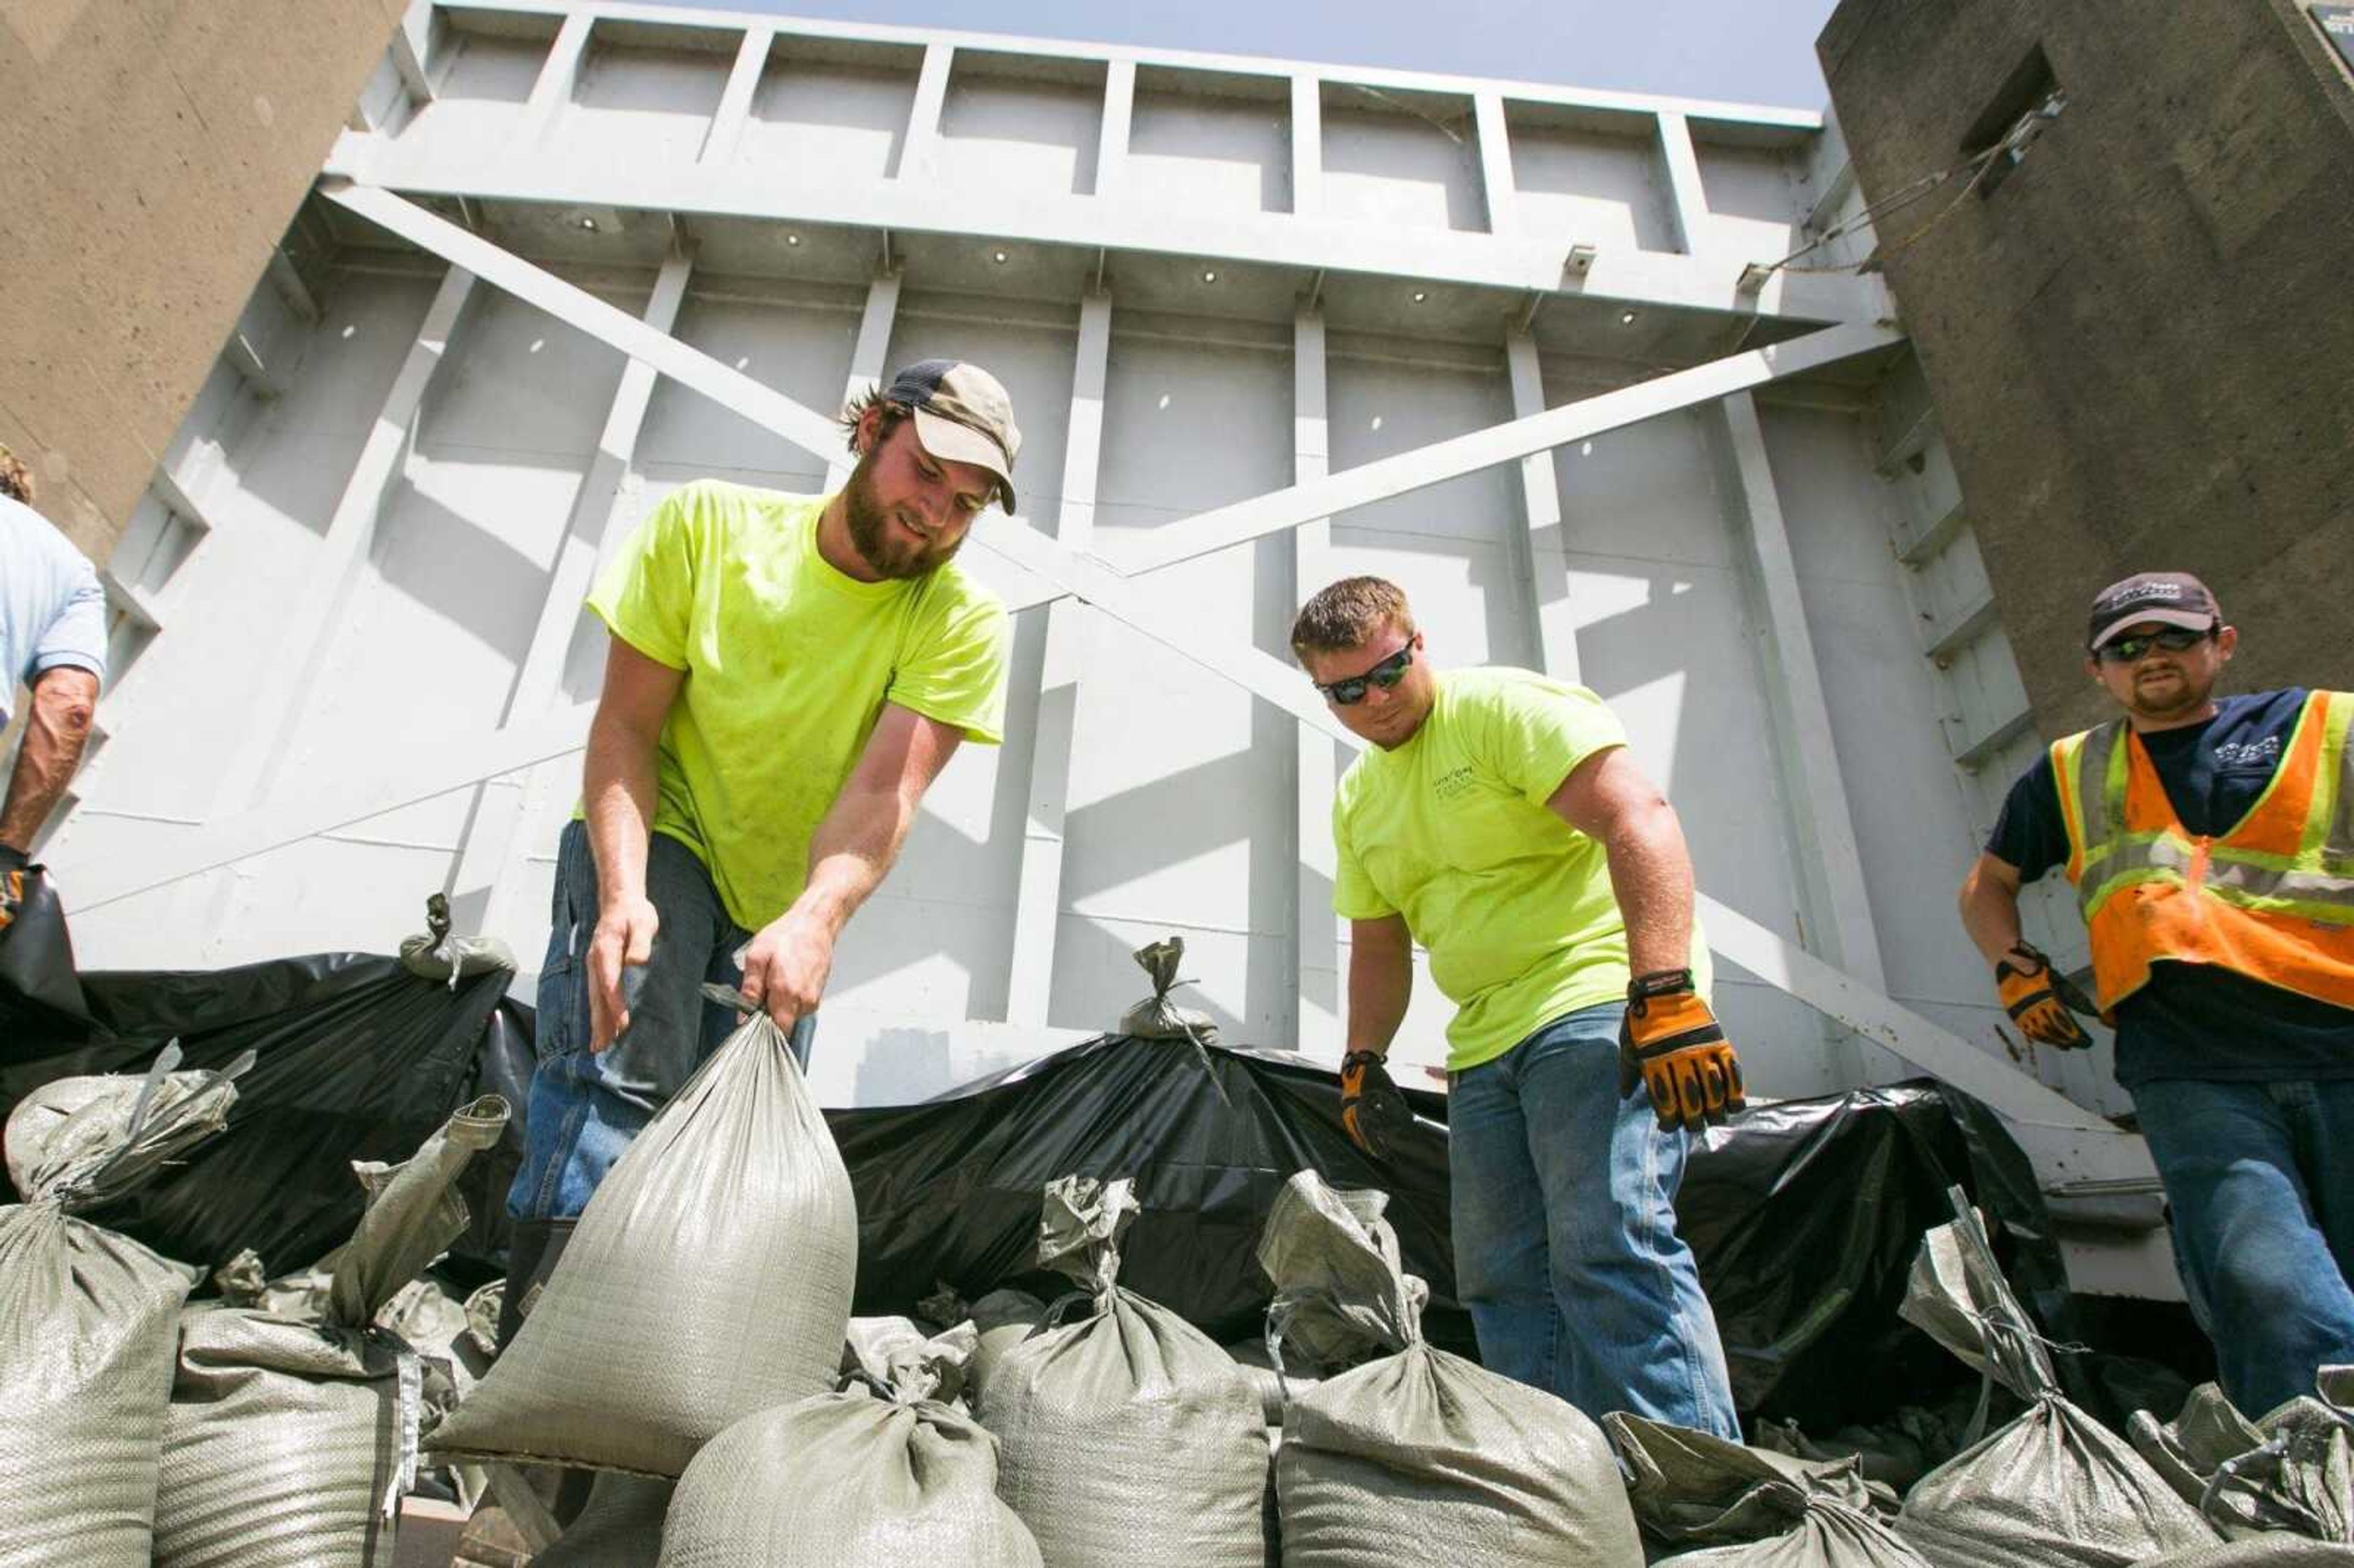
2291,1471
887,1472
1415,1456
2054,1489
293,1437
1128,1436
1748,1508
708,1279
89,1318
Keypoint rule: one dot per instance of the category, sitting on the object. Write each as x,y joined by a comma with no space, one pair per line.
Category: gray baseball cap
962,415
2169,599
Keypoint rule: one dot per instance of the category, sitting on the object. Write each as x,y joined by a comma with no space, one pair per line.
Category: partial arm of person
786,964
2038,996
1381,983
56,728
617,787
1671,1039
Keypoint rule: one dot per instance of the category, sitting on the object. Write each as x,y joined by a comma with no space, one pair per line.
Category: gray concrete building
2133,325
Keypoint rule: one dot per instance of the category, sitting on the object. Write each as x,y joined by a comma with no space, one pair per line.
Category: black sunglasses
2174,640
1348,694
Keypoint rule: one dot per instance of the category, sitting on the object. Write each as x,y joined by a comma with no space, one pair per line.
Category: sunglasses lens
1346,694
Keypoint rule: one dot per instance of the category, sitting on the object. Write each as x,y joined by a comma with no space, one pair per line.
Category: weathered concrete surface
152,151
2140,342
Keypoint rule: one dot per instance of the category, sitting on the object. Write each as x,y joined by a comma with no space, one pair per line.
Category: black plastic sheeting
357,1059
1805,1215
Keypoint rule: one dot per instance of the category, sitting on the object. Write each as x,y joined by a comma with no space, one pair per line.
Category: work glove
1671,1041
2039,999
15,870
1372,1109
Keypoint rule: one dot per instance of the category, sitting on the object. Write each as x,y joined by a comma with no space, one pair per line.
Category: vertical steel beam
1070,627
558,76
735,111
919,149
1496,163
1546,540
480,874
1688,202
1308,146
1317,930
1830,865
313,611
1119,115
868,361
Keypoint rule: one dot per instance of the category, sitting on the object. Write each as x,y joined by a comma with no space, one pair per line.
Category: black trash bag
38,987
357,1060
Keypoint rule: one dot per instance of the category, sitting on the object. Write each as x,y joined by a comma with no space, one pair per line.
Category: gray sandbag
1157,1017
292,1439
1752,1507
1418,1457
1888,1454
620,1526
883,1474
1127,1436
1277,1387
2293,1470
2054,1489
89,1318
709,1277
2271,1549
1003,1318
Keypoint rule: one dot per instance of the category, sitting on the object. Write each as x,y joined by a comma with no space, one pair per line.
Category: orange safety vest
2272,898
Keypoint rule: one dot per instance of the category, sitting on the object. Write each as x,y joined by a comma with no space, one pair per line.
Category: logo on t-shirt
1453,784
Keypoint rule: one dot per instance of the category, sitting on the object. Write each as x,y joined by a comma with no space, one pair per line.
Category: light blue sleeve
76,637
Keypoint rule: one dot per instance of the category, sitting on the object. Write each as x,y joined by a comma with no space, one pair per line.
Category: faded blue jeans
2260,1178
584,1107
1566,1244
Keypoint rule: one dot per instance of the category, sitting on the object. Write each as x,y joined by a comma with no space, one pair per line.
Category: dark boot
532,1252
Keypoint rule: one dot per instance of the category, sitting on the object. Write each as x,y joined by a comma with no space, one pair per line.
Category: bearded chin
869,532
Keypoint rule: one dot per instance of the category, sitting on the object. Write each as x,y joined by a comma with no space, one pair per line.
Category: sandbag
1276,1388
1418,1457
1128,1436
2293,1470
2271,1549
709,1277
87,1317
2054,1489
1751,1507
1003,1320
885,1473
620,1527
291,1438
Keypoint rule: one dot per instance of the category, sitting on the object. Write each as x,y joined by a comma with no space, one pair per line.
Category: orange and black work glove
16,868
1372,1109
2039,999
1672,1043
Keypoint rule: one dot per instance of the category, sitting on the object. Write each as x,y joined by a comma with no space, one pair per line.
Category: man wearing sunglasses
2210,840
785,677
1498,819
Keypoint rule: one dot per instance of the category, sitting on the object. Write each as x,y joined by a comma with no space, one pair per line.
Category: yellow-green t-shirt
788,663
1451,829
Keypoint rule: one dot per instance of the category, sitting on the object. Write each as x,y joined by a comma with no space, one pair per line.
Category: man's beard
2186,695
871,533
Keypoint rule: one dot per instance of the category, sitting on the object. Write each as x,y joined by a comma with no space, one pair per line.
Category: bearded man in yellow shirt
1497,819
784,677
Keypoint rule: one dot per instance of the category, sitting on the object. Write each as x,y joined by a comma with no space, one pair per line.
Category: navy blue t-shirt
2195,1021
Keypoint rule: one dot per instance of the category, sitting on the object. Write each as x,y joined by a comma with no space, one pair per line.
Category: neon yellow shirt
788,663
1451,830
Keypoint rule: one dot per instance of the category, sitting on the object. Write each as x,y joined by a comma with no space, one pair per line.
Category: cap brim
952,442
2192,620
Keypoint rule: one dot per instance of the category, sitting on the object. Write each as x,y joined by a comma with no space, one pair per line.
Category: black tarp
1805,1215
357,1059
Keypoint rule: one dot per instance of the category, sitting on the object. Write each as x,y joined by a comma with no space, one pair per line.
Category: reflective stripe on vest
2273,897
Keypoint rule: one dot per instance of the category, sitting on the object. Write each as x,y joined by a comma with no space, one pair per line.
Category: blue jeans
585,1106
1566,1244
2260,1178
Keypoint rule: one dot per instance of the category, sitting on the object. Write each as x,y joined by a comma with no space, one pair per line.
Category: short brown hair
16,478
1348,614
855,410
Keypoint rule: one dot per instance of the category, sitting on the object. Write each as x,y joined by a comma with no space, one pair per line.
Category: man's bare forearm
1651,873
619,789
56,728
1989,907
1381,985
853,849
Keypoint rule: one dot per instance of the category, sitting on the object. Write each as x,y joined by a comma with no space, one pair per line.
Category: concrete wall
154,154
2137,340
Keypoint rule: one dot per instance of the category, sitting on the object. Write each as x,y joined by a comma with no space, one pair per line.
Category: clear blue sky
1747,51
